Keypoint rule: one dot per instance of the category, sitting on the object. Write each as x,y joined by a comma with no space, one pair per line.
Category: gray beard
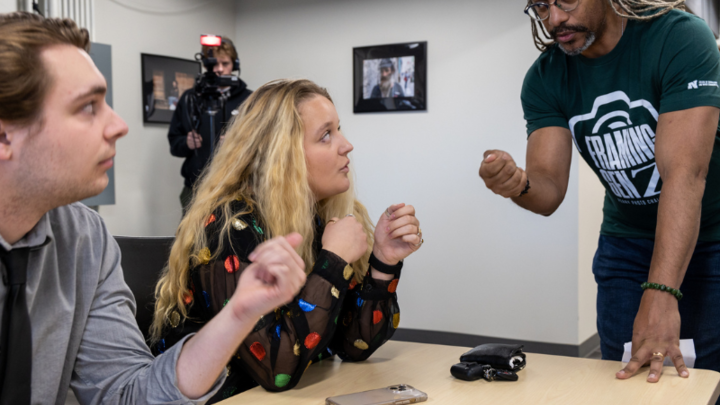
575,52
386,85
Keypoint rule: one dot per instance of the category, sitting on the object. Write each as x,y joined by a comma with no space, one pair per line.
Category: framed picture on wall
164,80
390,77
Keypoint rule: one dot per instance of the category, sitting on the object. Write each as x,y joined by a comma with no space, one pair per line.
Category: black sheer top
332,314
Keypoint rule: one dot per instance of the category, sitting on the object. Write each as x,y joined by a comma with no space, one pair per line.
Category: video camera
207,99
208,83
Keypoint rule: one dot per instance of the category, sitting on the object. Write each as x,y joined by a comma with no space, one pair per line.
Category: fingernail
489,156
651,376
621,372
684,373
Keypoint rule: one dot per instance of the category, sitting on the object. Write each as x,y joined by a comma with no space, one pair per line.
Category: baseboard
465,340
589,346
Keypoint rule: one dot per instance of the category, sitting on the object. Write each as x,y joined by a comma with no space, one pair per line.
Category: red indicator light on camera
210,40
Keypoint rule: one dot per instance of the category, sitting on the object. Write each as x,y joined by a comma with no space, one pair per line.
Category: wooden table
545,380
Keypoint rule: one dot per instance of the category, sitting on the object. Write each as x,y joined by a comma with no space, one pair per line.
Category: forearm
544,196
207,353
678,226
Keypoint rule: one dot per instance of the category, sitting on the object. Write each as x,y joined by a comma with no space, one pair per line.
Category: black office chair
143,258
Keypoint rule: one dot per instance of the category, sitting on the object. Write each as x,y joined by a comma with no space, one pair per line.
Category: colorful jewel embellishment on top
207,299
232,264
377,317
226,302
174,319
210,220
396,320
296,348
258,351
312,340
188,298
305,306
360,301
161,346
360,344
393,286
353,283
257,228
348,272
277,331
205,255
238,224
282,380
335,292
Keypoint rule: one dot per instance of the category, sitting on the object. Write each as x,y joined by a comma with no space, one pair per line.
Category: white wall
591,196
7,6
147,177
487,266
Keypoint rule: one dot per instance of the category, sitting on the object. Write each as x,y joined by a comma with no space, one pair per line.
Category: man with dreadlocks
634,85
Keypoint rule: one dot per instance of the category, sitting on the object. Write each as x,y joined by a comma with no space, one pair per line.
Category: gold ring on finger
658,355
419,244
387,212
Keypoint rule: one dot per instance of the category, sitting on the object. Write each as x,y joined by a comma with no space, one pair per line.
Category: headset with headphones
236,61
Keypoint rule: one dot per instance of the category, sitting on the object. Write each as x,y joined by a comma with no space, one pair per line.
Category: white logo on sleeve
695,84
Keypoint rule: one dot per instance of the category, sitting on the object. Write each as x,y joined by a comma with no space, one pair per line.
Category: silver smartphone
399,394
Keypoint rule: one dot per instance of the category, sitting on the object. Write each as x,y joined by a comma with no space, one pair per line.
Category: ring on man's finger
419,232
658,356
419,244
387,212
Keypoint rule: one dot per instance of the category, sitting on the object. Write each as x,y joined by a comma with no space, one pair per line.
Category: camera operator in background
190,132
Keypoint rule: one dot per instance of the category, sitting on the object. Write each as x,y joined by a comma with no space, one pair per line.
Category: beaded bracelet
662,287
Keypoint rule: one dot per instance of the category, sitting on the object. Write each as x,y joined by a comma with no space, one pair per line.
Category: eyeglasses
541,11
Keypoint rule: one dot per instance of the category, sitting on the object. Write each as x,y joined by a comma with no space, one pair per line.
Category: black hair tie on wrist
376,264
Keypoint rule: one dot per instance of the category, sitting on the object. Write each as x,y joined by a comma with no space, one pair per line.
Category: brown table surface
545,380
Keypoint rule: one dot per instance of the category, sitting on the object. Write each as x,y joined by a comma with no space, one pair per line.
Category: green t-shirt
611,106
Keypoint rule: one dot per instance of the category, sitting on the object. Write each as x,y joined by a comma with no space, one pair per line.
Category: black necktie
16,343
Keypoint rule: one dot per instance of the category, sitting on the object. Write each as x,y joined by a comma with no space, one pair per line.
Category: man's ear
5,142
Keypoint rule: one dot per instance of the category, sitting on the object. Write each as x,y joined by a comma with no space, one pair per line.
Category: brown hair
227,47
24,81
639,10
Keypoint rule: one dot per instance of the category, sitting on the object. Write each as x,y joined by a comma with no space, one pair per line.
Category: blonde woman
284,168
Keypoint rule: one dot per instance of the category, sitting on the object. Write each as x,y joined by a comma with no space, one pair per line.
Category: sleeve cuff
544,123
333,268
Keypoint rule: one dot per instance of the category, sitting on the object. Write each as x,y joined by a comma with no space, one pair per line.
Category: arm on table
683,147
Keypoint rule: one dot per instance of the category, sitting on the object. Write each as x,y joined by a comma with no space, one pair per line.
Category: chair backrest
143,258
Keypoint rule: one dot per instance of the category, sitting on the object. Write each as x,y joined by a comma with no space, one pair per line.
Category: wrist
661,291
379,266
240,314
379,255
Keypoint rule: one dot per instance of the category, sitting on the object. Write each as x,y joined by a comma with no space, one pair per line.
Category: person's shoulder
550,63
674,20
75,227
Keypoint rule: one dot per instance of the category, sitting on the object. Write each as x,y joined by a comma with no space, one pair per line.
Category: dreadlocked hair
639,10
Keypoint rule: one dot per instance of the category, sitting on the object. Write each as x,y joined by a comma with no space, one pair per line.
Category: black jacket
181,125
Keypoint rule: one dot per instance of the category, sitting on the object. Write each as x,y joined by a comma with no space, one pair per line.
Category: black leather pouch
498,355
